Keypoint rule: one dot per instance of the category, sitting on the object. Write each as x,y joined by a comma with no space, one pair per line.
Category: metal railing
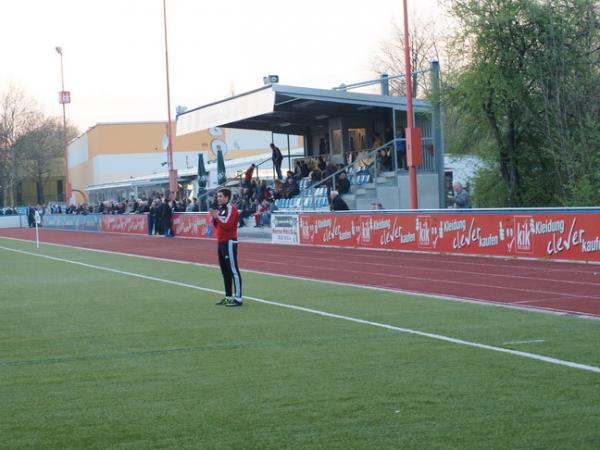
239,177
373,170
345,87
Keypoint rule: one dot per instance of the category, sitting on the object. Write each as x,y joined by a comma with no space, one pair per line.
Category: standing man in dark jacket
277,160
166,211
225,221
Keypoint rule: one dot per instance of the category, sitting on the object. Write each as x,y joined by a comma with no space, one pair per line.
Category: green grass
93,359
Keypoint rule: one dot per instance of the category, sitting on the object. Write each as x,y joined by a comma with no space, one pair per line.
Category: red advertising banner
567,236
192,224
126,223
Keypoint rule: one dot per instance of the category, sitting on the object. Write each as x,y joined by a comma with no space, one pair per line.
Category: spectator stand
236,184
364,174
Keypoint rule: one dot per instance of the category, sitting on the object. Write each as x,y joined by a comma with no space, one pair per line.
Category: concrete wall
428,193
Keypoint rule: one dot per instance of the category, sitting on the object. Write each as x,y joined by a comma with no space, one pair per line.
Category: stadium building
121,160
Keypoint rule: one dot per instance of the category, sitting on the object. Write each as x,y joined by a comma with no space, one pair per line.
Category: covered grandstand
337,125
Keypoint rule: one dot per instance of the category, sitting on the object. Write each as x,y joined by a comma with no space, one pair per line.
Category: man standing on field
225,221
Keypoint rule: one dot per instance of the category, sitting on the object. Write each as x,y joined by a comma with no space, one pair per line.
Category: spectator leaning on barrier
461,196
225,221
248,175
277,159
337,202
342,184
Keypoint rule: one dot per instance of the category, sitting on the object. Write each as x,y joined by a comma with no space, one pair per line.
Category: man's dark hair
226,192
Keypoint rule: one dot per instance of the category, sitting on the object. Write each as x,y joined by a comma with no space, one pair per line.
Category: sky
114,52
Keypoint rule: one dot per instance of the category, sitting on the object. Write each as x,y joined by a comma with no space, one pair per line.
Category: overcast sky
114,60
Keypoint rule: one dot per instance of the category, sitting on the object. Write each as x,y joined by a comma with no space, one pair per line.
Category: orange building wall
118,138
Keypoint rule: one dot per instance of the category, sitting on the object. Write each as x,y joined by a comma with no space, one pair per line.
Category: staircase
383,189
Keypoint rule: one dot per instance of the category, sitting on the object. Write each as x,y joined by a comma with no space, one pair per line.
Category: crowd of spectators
8,211
255,197
315,170
254,200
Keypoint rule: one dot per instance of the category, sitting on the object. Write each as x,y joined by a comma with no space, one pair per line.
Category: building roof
288,109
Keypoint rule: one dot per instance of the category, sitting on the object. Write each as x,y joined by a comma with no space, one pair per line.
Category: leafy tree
531,92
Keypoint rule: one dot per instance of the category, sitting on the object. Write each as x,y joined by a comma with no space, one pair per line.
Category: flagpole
37,220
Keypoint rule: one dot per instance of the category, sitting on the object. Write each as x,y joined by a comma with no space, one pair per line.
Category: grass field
91,357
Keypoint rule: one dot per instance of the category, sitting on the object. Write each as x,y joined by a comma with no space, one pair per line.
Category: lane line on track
440,280
410,266
439,337
524,263
431,295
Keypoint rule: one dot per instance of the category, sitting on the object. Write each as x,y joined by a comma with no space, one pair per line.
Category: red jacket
248,174
226,223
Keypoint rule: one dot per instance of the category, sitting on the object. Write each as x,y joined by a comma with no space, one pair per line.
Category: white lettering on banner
322,224
364,236
124,225
523,237
590,246
306,230
345,235
191,226
333,231
424,235
559,243
489,241
455,225
381,224
466,239
548,226
425,230
394,233
389,236
408,238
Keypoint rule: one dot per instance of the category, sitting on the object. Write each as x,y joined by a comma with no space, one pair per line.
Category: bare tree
42,152
428,39
17,116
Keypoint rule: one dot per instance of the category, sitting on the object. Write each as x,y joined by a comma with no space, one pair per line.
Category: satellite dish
218,144
215,131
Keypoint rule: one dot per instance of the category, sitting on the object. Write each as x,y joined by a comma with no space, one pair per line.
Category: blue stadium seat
304,183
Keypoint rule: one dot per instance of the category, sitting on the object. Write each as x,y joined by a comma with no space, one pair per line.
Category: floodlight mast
173,188
63,99
411,156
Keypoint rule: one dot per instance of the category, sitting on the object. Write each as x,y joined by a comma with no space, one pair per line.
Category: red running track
572,288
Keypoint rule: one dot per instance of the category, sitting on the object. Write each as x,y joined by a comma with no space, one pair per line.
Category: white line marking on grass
531,341
317,312
427,295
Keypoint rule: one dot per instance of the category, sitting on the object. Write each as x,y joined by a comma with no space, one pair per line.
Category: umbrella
221,175
202,180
